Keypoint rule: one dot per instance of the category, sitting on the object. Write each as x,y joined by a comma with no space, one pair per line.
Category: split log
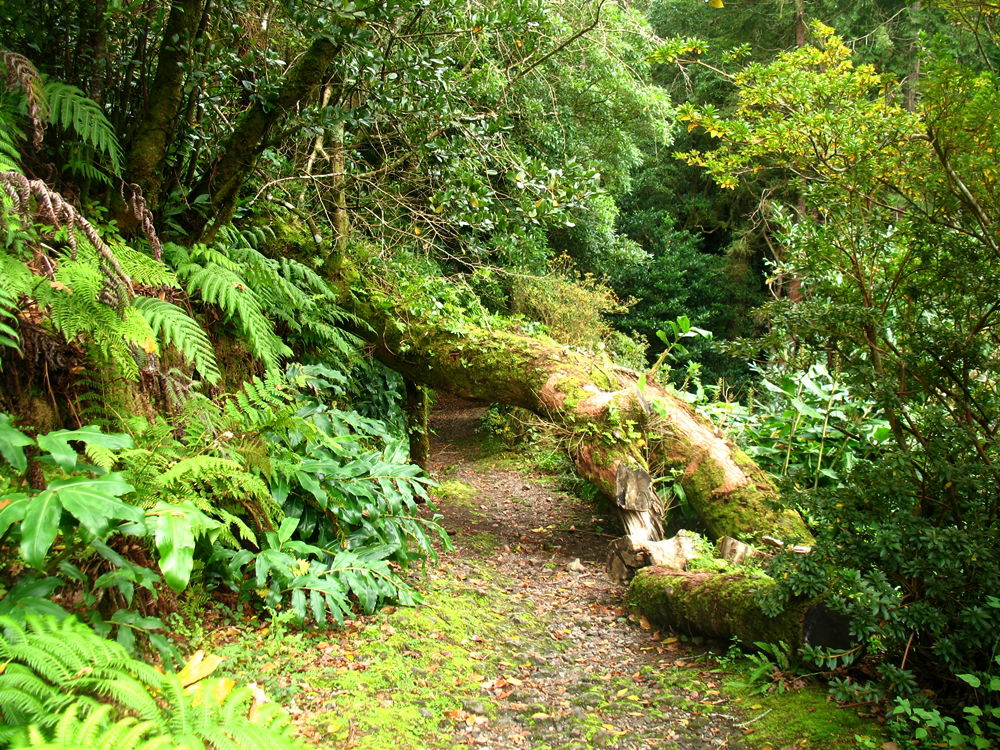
626,556
610,422
723,605
734,551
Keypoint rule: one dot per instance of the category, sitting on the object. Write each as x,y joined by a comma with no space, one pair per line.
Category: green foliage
275,448
9,136
65,686
174,327
301,302
573,308
214,277
76,113
8,306
893,444
807,426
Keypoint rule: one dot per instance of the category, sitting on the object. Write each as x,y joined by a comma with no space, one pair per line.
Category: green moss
746,512
483,541
798,718
455,493
721,605
395,680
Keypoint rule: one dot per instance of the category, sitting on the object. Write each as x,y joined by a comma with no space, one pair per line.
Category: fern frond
176,328
225,479
261,402
9,335
199,469
145,270
82,727
10,158
114,702
21,74
223,287
81,116
77,310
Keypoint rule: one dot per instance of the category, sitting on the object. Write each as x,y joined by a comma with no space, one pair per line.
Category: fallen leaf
198,667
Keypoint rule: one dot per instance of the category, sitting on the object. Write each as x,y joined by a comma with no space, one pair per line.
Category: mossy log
723,605
608,421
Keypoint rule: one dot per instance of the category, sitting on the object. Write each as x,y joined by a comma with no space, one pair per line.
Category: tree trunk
148,154
222,181
417,408
723,605
612,427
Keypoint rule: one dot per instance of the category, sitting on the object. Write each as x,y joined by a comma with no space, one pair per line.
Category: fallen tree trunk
723,605
612,427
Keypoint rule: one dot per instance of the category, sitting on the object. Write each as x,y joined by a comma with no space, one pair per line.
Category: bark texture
148,154
224,178
723,605
417,410
611,425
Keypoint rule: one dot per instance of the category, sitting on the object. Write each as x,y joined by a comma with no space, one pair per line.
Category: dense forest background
222,221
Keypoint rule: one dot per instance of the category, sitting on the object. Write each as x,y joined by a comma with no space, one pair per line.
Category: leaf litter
522,641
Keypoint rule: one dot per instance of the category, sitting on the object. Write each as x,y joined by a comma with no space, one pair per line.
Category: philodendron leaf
39,527
175,528
58,443
12,444
94,501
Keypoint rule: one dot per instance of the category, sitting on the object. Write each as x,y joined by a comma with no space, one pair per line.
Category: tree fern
174,327
81,116
217,280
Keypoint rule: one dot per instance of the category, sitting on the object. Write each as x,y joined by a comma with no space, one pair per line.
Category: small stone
473,706
426,713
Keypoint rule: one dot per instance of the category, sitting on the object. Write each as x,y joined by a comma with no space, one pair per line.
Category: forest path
591,677
516,644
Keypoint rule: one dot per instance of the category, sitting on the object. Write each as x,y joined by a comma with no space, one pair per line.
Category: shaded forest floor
521,642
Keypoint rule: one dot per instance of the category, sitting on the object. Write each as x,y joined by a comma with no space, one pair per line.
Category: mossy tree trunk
610,424
222,180
147,155
417,409
724,605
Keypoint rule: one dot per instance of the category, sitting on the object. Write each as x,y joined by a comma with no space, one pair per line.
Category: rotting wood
629,554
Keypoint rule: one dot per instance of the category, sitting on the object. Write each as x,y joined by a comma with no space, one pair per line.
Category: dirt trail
596,679
520,641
